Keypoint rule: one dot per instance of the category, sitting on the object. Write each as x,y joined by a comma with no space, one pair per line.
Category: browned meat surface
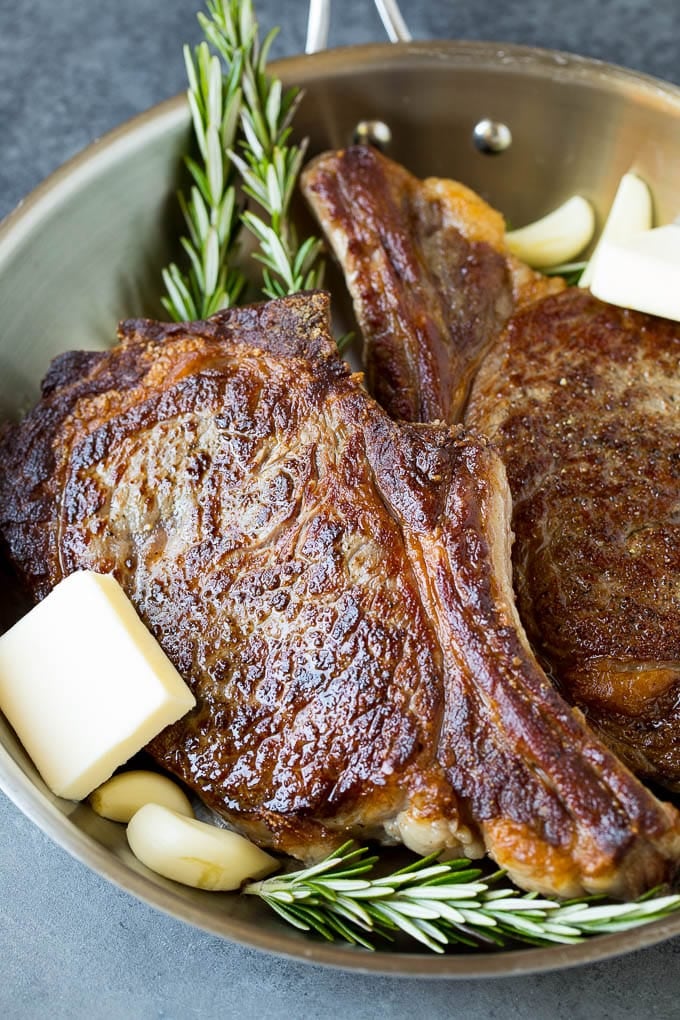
582,400
426,266
336,589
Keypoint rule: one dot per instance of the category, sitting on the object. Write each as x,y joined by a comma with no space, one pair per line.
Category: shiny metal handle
394,24
318,23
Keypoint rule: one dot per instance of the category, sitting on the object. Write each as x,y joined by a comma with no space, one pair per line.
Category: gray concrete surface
71,945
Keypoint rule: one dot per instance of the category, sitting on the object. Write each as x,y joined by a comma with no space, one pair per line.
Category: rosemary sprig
268,163
438,904
244,101
571,271
210,212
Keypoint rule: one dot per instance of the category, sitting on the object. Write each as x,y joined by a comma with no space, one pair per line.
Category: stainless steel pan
86,248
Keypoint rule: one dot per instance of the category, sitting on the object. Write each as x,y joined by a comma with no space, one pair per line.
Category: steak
430,278
335,588
581,399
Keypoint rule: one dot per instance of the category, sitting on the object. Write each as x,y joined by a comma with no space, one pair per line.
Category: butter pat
85,685
641,272
631,213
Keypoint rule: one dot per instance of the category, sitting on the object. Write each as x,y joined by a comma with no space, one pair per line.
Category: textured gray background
72,946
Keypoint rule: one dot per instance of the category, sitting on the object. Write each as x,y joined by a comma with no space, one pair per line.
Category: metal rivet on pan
492,136
372,132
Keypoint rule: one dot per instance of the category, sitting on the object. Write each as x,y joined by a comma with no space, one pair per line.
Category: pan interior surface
86,250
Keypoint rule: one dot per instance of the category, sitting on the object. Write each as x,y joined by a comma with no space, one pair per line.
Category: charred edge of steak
290,327
530,773
428,300
34,455
548,795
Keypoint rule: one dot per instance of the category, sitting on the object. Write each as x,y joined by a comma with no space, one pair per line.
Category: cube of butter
85,685
641,271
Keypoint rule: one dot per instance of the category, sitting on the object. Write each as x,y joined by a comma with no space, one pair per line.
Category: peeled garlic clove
558,237
631,213
120,797
641,272
195,853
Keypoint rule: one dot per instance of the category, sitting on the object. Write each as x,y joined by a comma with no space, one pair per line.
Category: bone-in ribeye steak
582,401
335,587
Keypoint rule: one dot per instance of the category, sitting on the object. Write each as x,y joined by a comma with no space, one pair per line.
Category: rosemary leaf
179,302
192,254
571,271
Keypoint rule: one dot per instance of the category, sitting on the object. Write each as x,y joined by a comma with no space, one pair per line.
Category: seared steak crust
426,266
582,400
226,487
335,587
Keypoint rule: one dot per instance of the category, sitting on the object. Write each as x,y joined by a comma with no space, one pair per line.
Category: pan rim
172,114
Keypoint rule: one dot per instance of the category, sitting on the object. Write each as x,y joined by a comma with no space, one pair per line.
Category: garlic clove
120,797
195,853
558,237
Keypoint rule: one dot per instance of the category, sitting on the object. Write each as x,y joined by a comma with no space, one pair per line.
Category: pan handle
392,20
318,23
